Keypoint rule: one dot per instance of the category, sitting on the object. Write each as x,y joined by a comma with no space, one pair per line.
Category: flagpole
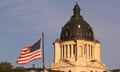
43,51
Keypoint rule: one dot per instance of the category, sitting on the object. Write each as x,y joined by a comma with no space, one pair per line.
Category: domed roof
76,27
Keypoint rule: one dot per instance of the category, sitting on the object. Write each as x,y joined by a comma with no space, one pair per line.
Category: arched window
66,33
85,49
63,51
89,33
66,51
70,50
74,50
69,71
91,71
89,50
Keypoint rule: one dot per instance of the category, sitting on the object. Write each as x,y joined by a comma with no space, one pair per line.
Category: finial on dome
76,9
76,2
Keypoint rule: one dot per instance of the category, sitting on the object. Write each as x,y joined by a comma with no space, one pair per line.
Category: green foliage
19,69
6,67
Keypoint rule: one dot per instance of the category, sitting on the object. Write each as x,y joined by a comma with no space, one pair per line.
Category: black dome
77,27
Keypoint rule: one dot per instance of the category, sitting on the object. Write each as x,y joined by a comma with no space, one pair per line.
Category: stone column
72,55
68,52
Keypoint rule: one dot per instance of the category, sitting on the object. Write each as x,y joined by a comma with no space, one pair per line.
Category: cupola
76,27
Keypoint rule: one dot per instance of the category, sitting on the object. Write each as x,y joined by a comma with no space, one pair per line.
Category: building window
66,51
91,71
91,51
85,49
70,49
74,50
63,51
89,33
69,71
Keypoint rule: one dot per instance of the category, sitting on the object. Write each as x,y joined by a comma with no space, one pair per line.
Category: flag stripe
25,62
20,60
31,55
29,58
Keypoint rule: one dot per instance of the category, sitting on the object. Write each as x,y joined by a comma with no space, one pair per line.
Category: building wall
76,50
79,55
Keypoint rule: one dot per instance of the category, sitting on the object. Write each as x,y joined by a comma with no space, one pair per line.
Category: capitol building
76,50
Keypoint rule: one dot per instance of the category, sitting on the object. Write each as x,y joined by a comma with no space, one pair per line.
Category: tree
19,69
6,67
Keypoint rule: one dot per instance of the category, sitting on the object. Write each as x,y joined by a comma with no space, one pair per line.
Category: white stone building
77,50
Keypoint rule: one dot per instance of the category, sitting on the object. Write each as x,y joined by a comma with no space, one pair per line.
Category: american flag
30,53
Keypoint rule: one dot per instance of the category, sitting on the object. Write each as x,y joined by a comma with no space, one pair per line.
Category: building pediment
62,64
96,64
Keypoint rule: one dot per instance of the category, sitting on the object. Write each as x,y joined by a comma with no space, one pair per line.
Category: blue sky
23,21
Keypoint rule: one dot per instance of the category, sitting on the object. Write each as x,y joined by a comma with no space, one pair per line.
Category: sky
23,21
